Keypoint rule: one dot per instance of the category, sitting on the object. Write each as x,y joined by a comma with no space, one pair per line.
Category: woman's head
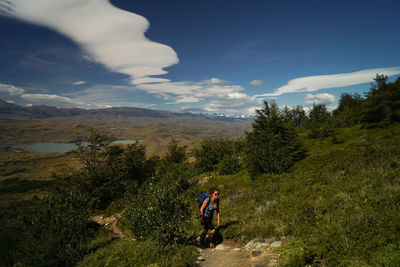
213,193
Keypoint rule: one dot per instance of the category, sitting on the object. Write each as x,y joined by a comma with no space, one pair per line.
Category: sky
214,57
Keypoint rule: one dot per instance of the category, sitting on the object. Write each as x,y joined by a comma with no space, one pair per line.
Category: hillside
152,127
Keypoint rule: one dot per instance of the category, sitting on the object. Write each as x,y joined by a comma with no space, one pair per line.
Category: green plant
159,211
273,145
55,234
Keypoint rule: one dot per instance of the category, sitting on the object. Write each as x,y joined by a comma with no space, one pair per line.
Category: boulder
276,244
255,253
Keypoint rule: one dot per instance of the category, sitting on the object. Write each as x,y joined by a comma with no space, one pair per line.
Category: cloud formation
219,95
319,99
256,82
79,83
109,35
315,83
11,89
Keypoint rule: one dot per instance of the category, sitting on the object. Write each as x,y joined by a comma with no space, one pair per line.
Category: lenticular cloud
111,36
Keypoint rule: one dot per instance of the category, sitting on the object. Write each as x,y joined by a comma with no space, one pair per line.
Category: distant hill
155,128
8,110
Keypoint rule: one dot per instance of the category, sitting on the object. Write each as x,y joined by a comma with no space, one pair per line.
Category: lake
61,147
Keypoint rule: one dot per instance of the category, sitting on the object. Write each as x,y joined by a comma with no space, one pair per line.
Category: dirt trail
230,253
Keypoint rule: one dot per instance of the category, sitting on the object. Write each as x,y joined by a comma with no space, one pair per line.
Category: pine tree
273,145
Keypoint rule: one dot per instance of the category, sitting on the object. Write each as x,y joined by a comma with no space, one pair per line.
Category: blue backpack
201,197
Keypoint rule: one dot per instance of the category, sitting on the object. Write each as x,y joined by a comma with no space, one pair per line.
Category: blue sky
194,56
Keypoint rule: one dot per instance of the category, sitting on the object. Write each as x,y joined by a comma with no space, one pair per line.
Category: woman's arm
203,207
218,218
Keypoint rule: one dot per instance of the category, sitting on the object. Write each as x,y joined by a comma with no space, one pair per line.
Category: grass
340,202
129,252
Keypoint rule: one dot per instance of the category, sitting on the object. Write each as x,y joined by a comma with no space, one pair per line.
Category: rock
97,218
222,247
276,244
201,258
237,249
251,243
199,250
261,246
255,253
271,264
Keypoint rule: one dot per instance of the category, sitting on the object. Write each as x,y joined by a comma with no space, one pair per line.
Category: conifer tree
273,145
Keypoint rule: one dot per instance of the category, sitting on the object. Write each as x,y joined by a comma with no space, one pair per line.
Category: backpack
201,197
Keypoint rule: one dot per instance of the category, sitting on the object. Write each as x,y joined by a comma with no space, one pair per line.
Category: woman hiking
211,203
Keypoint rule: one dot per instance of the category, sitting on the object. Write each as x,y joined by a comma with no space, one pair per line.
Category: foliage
212,151
295,116
340,203
319,122
230,164
348,113
129,252
55,234
175,154
110,170
272,146
159,211
382,103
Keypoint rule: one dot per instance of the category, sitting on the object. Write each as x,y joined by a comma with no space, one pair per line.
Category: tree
212,151
382,103
319,122
349,110
273,145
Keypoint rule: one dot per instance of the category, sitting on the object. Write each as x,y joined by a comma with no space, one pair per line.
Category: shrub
55,234
128,252
175,154
230,164
159,211
319,122
213,151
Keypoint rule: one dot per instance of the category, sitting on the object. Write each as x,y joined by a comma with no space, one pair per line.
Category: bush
55,234
175,154
128,252
319,122
213,151
159,211
230,164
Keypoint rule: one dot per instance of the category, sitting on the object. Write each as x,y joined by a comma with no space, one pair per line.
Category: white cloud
315,83
79,83
11,89
46,97
111,36
318,99
256,82
10,101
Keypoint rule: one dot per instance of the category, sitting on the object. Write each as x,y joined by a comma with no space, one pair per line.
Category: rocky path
110,223
255,253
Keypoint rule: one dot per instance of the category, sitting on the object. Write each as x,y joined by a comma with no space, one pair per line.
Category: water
61,147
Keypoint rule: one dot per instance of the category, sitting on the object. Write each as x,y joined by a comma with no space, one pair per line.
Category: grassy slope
342,202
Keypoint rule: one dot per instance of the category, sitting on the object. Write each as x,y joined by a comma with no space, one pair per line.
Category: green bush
212,151
129,252
230,164
55,234
159,211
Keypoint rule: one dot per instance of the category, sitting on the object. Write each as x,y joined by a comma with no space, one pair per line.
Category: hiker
211,203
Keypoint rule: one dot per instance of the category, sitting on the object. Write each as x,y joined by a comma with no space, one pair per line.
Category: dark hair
211,191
